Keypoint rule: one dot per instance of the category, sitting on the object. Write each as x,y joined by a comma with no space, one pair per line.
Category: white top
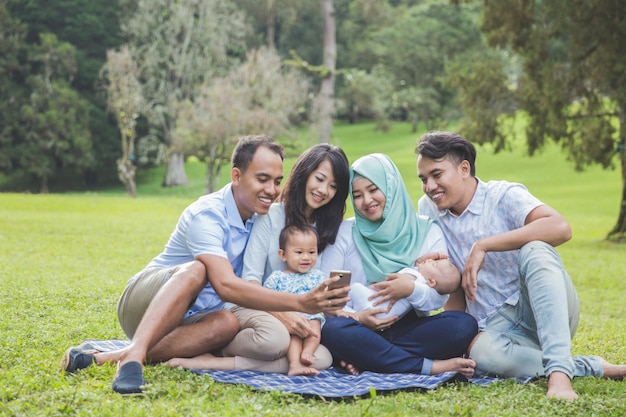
344,255
261,256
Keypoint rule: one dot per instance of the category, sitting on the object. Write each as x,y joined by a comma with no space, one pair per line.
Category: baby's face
438,269
300,253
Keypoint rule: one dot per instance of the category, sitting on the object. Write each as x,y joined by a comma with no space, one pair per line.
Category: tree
572,85
415,50
125,101
13,72
92,27
266,16
324,108
56,118
179,45
258,96
365,96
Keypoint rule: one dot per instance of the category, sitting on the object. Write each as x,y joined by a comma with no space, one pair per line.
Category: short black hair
248,145
291,230
439,145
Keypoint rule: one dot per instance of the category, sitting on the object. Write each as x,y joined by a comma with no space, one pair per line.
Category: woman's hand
348,314
296,324
432,255
368,319
396,286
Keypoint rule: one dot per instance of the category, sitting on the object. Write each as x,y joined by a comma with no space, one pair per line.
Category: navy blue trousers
403,347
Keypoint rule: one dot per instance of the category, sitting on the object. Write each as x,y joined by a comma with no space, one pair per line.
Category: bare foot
612,371
560,386
110,357
463,366
306,358
301,369
351,369
205,361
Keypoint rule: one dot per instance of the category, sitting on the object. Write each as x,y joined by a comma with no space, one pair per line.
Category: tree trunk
43,189
327,89
210,176
126,174
271,23
175,174
619,231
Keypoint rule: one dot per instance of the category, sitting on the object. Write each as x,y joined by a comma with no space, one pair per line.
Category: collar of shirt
232,212
476,205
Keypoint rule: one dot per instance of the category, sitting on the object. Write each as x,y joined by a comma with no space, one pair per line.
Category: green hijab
393,242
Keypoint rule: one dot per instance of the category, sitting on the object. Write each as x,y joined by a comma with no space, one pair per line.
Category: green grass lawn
65,259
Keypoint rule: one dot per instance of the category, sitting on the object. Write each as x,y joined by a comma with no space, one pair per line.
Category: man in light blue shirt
513,282
173,307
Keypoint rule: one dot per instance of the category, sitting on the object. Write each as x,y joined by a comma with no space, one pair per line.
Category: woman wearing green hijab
385,236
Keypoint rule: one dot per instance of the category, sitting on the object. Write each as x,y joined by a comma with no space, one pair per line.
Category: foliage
178,46
54,119
416,50
266,17
364,96
258,96
572,83
412,46
68,257
125,101
92,27
12,68
484,93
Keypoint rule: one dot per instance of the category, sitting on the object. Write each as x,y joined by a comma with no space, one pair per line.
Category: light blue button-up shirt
497,207
211,225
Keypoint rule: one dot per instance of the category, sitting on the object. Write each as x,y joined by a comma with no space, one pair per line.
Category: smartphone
344,279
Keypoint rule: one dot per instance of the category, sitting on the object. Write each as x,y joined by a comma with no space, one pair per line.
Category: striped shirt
497,207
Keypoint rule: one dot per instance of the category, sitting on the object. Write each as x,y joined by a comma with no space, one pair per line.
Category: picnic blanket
331,383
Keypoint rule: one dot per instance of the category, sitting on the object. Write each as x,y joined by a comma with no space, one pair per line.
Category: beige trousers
262,343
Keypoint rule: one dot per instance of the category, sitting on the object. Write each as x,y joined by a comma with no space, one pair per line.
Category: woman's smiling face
368,199
321,186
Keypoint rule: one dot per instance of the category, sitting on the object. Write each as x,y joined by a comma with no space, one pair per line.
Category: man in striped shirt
513,283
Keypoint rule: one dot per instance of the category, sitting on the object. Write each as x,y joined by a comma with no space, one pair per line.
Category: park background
66,255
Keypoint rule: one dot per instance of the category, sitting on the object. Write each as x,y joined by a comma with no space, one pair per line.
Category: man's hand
296,324
474,262
323,299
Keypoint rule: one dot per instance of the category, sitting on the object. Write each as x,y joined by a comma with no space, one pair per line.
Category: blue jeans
533,338
408,346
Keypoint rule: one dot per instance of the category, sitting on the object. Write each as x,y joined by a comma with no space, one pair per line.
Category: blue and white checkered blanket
331,383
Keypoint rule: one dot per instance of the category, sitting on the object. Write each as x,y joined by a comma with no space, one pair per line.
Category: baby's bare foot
301,369
307,359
